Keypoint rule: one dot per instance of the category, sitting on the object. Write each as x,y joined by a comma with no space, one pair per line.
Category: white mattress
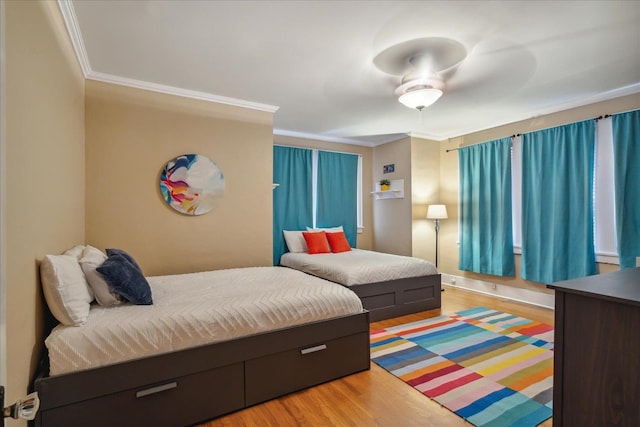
358,266
194,309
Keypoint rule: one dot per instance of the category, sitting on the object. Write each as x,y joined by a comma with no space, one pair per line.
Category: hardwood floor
375,397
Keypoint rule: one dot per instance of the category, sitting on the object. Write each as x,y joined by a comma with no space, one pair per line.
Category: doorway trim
3,263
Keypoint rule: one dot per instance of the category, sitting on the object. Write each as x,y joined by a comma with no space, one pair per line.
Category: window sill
600,258
608,259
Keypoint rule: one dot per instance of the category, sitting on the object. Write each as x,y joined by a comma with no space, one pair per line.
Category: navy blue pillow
126,279
126,255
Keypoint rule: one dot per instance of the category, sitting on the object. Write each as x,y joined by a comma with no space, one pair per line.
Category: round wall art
192,184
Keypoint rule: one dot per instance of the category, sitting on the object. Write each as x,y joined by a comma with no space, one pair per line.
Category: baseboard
527,296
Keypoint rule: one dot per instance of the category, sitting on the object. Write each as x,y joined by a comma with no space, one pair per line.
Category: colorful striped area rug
488,367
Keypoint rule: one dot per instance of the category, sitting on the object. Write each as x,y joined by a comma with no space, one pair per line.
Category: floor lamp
436,213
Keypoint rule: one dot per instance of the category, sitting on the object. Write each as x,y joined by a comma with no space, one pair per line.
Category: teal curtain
626,153
337,193
292,199
486,238
557,203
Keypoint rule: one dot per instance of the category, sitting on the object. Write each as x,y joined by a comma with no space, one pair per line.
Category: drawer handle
157,389
313,349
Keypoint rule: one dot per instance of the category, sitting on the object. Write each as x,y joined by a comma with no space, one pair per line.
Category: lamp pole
436,213
437,230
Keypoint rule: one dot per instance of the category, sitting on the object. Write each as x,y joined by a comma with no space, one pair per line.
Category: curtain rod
456,149
519,134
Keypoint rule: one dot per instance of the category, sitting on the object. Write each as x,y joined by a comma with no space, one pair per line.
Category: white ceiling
312,61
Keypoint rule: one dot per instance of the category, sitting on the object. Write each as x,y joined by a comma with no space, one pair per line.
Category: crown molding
73,29
599,97
372,141
430,136
171,90
320,137
556,108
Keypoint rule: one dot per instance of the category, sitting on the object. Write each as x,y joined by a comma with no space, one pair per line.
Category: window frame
604,201
314,184
604,222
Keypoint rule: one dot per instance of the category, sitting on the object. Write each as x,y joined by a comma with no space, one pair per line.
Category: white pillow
93,258
65,289
295,241
76,251
327,230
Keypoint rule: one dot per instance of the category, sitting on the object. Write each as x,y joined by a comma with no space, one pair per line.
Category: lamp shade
420,98
437,212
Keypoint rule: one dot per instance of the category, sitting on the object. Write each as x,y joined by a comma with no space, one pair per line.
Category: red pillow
316,242
338,242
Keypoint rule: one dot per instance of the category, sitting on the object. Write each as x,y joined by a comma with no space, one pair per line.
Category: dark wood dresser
597,350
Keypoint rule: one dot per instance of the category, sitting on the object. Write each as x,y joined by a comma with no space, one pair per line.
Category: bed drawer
277,374
175,402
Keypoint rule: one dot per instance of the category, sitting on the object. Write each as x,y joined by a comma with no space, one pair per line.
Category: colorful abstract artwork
192,184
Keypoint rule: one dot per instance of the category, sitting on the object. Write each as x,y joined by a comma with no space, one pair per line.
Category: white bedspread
194,309
358,266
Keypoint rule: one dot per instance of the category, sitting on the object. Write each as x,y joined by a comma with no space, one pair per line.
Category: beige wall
44,171
449,181
425,190
365,239
131,134
449,186
392,217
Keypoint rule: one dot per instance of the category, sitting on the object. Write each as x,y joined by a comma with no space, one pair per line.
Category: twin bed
210,344
388,285
219,341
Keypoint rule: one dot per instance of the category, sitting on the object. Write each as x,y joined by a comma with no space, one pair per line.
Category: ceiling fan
458,76
424,65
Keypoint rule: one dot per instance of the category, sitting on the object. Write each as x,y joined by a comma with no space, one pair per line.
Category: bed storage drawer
281,373
176,402
394,298
381,300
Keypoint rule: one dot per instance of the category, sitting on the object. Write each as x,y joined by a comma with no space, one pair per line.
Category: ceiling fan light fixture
420,98
420,92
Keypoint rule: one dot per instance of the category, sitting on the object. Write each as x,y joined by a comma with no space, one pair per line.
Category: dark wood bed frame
395,298
190,386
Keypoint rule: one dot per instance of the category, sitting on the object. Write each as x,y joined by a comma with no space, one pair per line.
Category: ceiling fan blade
493,67
372,85
422,56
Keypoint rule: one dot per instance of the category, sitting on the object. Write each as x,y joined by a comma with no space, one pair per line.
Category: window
605,237
604,203
516,192
360,222
315,188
